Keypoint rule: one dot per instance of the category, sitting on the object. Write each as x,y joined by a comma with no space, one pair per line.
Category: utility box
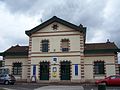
102,86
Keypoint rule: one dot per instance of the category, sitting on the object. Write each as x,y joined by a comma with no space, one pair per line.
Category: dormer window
55,27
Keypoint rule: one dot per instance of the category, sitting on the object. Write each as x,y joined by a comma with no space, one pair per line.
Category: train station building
58,51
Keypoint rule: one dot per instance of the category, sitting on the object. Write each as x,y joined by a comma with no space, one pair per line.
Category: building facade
57,52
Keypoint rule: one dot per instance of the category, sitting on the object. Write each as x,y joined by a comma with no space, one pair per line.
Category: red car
111,80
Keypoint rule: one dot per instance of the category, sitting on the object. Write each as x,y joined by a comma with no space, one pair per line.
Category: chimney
108,41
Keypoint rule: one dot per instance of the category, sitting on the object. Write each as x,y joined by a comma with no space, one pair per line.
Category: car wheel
6,82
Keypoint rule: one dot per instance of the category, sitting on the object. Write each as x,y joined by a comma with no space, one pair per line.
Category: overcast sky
101,17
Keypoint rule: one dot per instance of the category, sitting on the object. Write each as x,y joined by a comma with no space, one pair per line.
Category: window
45,45
99,67
55,59
17,68
65,45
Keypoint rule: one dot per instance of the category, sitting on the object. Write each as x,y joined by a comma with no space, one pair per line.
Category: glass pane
45,46
17,68
65,49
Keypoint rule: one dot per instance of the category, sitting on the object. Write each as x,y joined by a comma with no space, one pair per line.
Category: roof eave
101,51
27,33
55,19
14,54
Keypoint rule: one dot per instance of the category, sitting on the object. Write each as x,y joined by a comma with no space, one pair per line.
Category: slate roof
16,50
56,19
97,48
94,46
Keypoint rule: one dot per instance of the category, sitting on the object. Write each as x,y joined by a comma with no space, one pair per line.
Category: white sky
13,28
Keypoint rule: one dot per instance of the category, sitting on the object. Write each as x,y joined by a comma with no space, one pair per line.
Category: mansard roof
56,19
16,51
96,48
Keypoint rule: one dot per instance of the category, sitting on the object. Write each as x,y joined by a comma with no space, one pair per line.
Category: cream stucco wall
24,60
55,42
73,60
60,28
55,37
89,65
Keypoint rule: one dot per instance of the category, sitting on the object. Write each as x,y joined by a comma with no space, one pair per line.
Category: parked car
7,79
111,80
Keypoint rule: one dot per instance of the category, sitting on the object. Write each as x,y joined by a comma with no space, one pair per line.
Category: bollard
102,86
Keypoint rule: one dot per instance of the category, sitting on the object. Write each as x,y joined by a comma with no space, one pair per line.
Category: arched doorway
44,70
65,70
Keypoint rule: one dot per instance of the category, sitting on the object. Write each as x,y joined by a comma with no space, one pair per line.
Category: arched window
45,45
99,67
65,45
17,68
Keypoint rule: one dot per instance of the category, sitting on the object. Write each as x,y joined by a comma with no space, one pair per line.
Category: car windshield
113,77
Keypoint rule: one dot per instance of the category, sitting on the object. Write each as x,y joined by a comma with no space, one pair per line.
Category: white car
7,79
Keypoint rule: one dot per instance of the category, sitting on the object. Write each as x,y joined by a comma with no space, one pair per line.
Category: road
32,86
93,87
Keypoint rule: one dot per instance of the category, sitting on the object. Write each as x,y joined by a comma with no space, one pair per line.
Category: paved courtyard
61,88
32,86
